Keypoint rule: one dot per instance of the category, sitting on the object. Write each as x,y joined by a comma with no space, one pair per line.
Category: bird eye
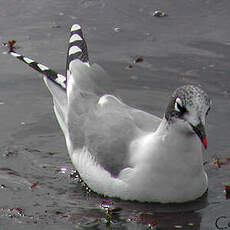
178,105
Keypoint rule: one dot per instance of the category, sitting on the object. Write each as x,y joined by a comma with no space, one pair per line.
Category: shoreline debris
159,14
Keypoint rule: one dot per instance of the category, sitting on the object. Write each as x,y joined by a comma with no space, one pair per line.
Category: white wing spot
74,49
61,80
43,67
28,60
15,54
75,27
74,38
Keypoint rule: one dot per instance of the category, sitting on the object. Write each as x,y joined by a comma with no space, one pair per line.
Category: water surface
190,46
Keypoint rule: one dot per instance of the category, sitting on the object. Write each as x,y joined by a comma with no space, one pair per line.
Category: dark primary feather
81,55
53,76
59,79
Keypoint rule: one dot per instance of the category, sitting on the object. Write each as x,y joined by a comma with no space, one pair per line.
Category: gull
120,151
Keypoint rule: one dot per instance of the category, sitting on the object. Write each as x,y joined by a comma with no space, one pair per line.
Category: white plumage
121,151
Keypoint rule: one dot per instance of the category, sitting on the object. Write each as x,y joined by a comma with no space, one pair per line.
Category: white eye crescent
178,105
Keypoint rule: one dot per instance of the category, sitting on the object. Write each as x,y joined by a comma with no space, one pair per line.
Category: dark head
190,104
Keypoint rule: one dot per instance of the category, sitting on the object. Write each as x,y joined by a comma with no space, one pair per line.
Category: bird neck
177,140
172,161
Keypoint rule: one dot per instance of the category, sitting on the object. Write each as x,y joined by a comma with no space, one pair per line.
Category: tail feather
77,47
58,79
60,104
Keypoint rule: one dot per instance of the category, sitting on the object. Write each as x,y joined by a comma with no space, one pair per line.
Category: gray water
189,46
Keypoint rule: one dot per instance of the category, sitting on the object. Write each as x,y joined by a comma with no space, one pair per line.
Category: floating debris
51,153
220,162
11,154
117,29
32,150
111,213
159,13
34,185
153,225
3,186
58,212
136,60
109,207
108,218
10,44
10,171
16,212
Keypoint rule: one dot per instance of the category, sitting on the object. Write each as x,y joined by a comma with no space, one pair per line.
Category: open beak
200,131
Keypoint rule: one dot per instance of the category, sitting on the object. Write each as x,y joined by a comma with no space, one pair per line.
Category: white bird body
123,152
152,173
154,176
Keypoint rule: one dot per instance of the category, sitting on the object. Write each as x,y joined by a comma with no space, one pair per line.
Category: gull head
188,108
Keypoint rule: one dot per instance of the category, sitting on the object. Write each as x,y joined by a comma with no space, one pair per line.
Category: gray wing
106,128
104,125
110,131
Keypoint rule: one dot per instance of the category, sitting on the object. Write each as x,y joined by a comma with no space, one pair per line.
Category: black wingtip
58,79
77,48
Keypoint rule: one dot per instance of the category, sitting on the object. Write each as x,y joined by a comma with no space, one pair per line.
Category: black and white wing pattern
58,79
77,47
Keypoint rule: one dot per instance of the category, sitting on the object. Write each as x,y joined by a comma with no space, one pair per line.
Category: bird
124,152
